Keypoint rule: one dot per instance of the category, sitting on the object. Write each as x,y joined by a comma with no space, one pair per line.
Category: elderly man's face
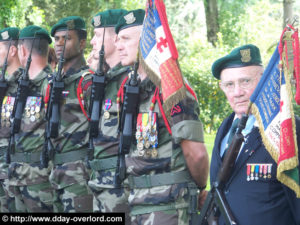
238,85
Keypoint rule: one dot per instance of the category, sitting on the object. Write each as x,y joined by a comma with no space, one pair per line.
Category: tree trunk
212,25
287,12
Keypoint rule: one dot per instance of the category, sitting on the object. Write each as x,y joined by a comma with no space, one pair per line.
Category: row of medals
259,170
147,141
33,108
6,111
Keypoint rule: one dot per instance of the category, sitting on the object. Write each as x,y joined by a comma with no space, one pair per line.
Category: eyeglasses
243,83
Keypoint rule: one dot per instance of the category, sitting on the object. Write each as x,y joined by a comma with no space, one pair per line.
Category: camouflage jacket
73,129
106,144
31,135
157,152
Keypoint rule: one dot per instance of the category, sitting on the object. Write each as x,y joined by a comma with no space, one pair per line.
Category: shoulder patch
177,109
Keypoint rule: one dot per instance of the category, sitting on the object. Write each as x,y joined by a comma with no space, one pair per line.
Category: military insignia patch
70,24
246,55
5,35
97,21
176,110
130,18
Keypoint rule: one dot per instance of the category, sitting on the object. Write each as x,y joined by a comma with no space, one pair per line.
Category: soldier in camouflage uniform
30,179
106,197
162,165
70,175
8,36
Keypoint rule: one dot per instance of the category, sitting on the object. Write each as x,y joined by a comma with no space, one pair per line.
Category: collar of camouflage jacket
13,78
71,77
116,71
41,76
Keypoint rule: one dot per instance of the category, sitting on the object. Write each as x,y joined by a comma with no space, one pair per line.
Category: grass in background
209,140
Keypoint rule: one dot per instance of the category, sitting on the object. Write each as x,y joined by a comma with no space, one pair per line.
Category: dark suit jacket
256,202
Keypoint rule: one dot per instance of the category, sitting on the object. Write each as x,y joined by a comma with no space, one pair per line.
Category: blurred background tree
204,30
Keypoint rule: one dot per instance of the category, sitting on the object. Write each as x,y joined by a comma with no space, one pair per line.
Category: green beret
9,33
69,23
108,18
130,19
33,31
245,55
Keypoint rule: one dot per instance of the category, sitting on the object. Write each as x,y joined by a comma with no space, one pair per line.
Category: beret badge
130,18
246,56
5,35
97,21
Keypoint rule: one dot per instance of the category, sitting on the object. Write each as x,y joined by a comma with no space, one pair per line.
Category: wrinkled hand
201,199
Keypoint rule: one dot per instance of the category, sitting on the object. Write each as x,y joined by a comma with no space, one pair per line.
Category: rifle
19,104
53,109
3,83
96,100
127,124
216,202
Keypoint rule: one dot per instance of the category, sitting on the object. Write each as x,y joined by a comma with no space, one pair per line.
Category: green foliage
6,11
196,67
241,22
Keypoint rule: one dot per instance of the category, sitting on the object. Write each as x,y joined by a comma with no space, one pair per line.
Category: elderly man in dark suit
253,199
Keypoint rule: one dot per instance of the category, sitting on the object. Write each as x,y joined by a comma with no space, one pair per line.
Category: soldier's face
238,85
3,53
127,44
109,39
74,47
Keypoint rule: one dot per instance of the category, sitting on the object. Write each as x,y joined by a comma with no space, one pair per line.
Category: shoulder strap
80,93
157,97
191,91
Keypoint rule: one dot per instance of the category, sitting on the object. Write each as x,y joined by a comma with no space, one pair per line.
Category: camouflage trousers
107,198
7,202
31,187
35,198
167,204
72,193
7,198
170,217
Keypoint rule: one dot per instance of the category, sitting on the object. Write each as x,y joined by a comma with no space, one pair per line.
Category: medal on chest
6,111
65,95
33,108
107,106
146,135
256,171
146,132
